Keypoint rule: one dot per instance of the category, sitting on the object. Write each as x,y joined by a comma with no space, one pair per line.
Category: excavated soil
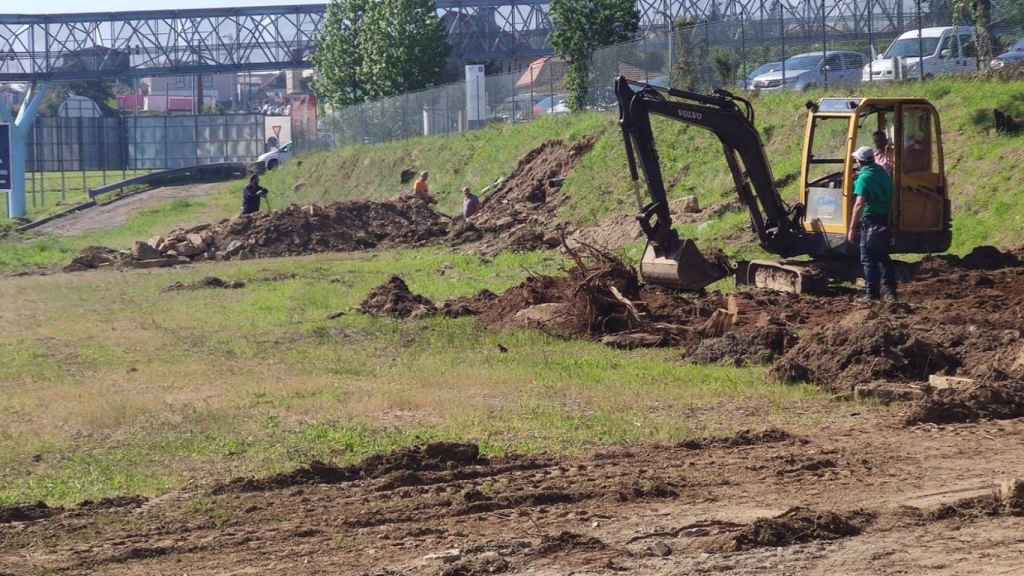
849,494
999,400
522,213
394,299
796,526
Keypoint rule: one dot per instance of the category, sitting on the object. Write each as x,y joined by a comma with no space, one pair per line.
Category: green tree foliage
373,49
582,26
338,57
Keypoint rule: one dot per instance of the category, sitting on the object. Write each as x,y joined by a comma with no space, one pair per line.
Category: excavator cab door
825,174
919,176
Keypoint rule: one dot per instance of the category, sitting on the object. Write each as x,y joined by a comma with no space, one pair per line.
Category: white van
941,50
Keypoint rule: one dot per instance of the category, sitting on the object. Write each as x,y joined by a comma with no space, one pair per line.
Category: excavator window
828,151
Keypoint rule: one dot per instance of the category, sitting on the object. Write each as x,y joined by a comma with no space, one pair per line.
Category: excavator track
795,278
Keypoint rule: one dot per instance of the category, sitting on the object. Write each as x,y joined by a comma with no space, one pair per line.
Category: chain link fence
728,53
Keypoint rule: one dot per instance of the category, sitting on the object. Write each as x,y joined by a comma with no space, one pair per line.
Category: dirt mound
291,231
92,257
741,438
468,306
979,258
760,345
591,300
394,299
207,282
27,512
863,347
520,214
997,401
796,526
431,457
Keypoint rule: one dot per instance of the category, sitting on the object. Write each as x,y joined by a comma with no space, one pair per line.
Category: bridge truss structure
64,47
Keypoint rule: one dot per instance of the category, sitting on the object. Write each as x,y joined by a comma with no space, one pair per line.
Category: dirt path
642,510
117,213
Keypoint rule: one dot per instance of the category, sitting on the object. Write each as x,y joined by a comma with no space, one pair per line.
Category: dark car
1015,55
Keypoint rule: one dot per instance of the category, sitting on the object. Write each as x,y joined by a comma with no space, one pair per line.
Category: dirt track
117,213
616,511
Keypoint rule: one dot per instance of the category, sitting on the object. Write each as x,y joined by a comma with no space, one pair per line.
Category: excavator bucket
683,268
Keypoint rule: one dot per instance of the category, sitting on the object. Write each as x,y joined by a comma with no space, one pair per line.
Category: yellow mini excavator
816,226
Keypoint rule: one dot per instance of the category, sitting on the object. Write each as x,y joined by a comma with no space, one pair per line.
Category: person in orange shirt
421,190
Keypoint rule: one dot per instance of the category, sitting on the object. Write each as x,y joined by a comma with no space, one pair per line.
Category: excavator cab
907,139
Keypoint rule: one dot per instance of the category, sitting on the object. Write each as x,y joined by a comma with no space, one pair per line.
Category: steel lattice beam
180,42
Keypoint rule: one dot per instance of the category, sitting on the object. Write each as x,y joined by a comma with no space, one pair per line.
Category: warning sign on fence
5,157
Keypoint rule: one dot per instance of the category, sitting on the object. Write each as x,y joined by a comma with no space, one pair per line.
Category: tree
980,12
338,57
378,48
582,26
403,45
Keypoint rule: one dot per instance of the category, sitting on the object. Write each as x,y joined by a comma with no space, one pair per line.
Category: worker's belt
877,219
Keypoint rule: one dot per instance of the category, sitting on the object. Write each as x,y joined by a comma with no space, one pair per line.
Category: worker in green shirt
870,222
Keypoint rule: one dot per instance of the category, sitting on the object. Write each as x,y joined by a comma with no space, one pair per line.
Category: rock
299,187
234,247
661,549
157,242
939,382
168,246
144,251
542,315
889,392
1011,494
631,341
691,205
447,555
193,245
196,240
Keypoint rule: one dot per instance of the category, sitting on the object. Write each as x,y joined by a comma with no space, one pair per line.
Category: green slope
984,170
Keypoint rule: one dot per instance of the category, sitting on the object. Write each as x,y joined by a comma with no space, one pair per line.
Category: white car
276,157
937,51
811,70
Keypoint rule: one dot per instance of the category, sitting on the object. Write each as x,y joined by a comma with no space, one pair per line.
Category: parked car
1015,55
935,52
747,83
813,69
276,157
551,105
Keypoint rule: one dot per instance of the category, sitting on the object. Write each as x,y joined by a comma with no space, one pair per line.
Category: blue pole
19,147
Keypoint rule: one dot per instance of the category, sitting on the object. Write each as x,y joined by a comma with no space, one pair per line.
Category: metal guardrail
139,184
177,177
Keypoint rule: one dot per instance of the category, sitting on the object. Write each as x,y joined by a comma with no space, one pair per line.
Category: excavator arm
670,260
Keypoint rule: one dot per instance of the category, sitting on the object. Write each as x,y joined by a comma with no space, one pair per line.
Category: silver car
1015,55
812,70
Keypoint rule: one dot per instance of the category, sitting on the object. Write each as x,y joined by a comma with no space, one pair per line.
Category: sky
60,6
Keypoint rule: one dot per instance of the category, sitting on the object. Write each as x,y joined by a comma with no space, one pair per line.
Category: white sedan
276,157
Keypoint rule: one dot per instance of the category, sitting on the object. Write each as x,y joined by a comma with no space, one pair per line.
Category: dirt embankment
959,325
520,215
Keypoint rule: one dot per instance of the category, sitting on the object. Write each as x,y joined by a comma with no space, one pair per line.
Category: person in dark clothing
252,194
870,221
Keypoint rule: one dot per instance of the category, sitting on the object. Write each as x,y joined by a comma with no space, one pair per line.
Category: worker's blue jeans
875,238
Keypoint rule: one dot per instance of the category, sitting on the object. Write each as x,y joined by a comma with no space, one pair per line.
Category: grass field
112,386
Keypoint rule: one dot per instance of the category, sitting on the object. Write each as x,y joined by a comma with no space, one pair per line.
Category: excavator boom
669,260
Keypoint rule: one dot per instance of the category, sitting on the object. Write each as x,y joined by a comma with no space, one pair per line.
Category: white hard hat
864,154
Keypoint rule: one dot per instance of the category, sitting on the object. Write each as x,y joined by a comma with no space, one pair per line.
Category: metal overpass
182,42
